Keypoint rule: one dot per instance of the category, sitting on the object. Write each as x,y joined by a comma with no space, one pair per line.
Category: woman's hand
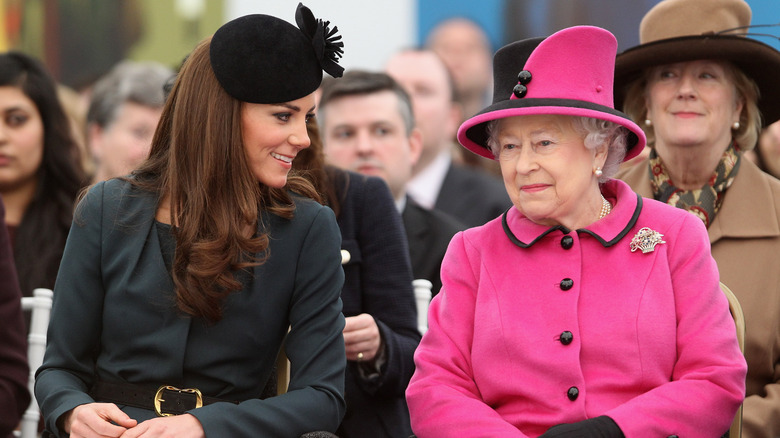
361,337
179,426
95,420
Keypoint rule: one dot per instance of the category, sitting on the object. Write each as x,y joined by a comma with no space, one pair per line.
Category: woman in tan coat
694,84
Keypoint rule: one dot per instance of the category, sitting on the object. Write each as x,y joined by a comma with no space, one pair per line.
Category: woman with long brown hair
40,174
180,282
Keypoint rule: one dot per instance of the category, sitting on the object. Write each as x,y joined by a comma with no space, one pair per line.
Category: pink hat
568,73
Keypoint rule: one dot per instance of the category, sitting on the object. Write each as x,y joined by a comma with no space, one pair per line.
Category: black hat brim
473,132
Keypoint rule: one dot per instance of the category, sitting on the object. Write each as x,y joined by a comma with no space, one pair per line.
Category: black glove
599,427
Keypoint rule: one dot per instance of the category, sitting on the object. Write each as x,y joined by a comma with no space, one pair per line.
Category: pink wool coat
538,326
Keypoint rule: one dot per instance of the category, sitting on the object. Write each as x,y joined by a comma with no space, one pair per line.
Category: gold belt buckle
158,398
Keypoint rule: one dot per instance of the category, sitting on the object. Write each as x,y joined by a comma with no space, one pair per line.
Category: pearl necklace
606,207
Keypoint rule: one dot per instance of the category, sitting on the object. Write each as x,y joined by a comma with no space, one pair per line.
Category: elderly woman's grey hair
595,132
129,81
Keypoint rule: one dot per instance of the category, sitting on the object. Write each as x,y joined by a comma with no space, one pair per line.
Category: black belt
164,400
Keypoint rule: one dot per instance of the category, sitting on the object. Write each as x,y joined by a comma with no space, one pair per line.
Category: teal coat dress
114,320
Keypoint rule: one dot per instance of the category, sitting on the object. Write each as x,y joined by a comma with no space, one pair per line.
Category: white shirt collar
424,187
400,204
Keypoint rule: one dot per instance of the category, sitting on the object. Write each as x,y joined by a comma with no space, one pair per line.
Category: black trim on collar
622,234
564,230
520,243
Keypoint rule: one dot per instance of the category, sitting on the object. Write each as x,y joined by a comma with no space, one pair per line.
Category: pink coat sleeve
708,381
443,399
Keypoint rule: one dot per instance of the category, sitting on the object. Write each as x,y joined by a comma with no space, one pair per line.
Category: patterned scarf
704,202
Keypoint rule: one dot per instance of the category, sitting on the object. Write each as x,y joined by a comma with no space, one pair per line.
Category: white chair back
422,296
40,305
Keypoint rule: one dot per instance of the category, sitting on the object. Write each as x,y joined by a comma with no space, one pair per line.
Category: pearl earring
648,123
598,172
735,126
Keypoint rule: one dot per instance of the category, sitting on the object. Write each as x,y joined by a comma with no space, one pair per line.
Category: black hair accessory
263,59
327,44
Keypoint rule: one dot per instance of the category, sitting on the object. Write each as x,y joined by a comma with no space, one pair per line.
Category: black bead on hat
263,59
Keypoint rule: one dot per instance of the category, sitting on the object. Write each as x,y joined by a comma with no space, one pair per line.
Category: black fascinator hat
263,59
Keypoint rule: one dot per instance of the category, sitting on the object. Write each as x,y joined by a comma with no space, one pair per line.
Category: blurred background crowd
80,41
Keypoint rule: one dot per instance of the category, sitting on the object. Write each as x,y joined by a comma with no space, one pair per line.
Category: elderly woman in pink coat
585,310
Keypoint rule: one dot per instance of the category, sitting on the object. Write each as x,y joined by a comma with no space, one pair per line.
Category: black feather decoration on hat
327,44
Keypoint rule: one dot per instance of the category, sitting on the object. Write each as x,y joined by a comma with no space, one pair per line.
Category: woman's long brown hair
328,180
198,166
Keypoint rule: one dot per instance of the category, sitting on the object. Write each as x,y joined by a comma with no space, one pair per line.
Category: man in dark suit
470,195
368,127
428,233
